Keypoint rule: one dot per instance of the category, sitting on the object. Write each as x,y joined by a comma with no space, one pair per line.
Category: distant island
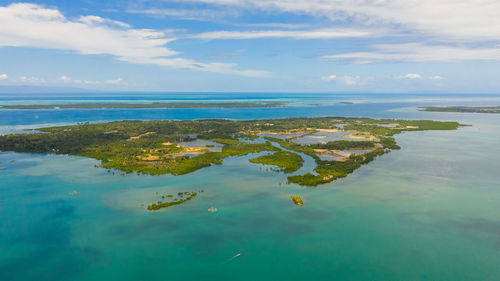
338,145
466,109
145,105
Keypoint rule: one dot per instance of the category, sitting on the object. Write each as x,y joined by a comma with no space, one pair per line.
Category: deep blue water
301,105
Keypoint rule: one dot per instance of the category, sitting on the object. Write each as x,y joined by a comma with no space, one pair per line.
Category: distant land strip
145,105
465,109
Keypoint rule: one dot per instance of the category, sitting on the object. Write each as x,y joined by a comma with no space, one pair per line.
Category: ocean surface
430,211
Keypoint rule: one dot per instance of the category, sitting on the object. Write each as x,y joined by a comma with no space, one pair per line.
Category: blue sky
253,45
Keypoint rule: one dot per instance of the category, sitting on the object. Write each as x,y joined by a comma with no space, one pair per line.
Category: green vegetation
146,105
344,144
371,126
328,171
188,165
287,144
288,162
177,201
389,142
297,200
467,109
151,147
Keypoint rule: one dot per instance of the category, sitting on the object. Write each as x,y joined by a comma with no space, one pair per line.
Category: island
297,200
145,105
464,109
338,145
172,200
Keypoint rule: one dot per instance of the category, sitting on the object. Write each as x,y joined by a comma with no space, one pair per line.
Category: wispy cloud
332,33
273,25
31,80
416,77
329,77
410,76
187,14
4,76
436,78
117,81
417,52
31,25
350,80
222,16
345,79
225,55
466,20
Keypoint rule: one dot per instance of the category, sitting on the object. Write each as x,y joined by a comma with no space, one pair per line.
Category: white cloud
31,25
350,80
416,76
345,80
3,76
65,79
436,78
467,20
416,52
333,33
410,76
117,81
329,77
31,80
95,20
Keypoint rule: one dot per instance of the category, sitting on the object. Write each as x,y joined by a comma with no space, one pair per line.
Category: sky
380,46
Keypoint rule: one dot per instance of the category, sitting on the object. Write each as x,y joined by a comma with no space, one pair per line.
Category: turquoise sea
430,211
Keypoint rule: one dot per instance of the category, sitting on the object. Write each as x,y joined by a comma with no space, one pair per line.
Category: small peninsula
463,109
145,105
286,161
338,145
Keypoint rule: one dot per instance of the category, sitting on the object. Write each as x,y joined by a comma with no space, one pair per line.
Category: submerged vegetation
154,147
286,161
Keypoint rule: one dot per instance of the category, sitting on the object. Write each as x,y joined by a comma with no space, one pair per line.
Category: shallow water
430,211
